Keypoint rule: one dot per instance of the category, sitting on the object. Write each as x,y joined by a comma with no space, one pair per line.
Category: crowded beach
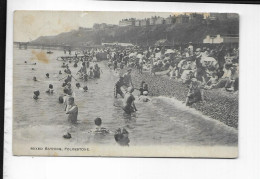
149,71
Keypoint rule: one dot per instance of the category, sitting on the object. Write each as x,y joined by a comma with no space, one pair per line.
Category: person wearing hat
198,52
200,73
186,53
128,104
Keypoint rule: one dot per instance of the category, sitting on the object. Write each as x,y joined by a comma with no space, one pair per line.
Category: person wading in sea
72,110
127,78
117,89
129,105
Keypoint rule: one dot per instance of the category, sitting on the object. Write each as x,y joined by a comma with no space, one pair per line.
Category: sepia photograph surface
125,84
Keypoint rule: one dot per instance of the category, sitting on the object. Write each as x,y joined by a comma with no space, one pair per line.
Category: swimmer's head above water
98,121
77,85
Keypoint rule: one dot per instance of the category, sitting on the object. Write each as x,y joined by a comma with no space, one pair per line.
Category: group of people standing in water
87,71
125,83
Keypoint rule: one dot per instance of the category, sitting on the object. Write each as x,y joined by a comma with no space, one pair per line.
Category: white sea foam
181,105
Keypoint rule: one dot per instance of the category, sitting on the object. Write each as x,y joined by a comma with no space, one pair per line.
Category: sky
29,25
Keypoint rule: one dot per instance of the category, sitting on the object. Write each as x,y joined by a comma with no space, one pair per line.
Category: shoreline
218,104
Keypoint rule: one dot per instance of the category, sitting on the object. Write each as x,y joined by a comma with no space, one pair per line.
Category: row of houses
180,19
157,20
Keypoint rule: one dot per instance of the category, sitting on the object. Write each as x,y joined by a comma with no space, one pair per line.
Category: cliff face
177,33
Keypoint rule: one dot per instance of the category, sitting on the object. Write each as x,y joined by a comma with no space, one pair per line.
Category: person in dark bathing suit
117,89
129,106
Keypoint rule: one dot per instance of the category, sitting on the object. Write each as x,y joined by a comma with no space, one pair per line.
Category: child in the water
98,129
47,75
36,94
144,97
34,78
50,90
